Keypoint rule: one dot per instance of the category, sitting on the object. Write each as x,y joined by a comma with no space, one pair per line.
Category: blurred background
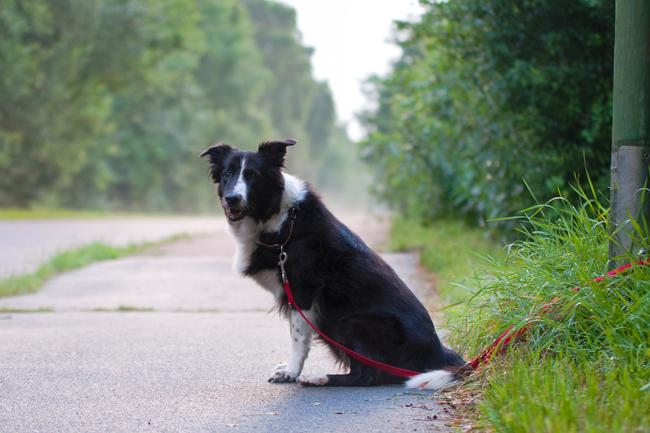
457,108
106,104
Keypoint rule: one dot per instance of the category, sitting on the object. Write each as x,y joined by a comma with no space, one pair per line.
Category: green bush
486,94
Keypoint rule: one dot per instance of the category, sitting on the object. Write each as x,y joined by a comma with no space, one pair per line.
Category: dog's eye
251,175
227,173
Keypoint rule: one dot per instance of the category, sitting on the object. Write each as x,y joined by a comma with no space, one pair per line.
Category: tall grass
535,395
585,364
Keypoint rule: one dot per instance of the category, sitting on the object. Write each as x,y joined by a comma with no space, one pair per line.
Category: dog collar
293,211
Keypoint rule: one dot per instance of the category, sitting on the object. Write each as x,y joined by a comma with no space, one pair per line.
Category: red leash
500,344
397,371
391,369
497,346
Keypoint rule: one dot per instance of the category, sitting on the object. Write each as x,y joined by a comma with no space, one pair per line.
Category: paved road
197,362
26,244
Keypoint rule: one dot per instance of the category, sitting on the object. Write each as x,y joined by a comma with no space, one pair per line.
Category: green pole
631,126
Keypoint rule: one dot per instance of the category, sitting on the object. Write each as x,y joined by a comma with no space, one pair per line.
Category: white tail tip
434,380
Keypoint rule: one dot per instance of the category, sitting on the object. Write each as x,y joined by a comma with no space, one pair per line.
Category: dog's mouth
234,214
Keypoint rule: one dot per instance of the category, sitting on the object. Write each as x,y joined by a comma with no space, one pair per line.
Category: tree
488,93
108,103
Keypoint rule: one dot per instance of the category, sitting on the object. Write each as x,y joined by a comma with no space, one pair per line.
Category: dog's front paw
313,380
281,374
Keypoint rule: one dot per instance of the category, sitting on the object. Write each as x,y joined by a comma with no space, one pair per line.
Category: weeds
584,365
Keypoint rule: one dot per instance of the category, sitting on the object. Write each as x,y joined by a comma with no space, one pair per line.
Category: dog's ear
274,151
217,154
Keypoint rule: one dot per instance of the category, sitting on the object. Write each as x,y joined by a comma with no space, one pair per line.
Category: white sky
351,42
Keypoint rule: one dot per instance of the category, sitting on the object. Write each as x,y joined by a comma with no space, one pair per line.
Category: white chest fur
246,233
269,280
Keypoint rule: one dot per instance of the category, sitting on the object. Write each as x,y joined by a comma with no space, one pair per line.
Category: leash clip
282,258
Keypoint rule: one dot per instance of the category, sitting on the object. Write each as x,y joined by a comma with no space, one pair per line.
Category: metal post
631,126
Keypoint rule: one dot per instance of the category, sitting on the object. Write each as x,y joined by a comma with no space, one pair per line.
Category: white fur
270,281
300,341
313,379
294,192
300,345
246,232
434,380
241,187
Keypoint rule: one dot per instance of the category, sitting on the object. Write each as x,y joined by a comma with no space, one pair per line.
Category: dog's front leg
300,343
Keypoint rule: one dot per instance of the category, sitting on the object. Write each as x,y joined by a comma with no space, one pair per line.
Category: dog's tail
435,380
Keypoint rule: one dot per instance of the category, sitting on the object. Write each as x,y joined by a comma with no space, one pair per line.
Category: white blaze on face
241,187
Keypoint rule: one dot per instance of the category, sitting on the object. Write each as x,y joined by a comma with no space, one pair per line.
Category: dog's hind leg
300,344
359,375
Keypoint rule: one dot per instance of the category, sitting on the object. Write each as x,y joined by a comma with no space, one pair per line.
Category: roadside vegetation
10,214
106,104
485,94
73,259
454,251
584,365
46,213
492,100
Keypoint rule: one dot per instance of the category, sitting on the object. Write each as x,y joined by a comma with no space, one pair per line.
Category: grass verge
534,393
5,310
453,251
582,367
17,214
73,259
124,309
12,214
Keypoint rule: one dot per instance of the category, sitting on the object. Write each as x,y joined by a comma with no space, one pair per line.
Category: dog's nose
233,199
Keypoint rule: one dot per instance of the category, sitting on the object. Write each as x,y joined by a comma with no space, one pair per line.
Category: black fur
359,299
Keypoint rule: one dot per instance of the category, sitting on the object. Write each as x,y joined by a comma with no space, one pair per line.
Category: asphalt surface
27,244
174,340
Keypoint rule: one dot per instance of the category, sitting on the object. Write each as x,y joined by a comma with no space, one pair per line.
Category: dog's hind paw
313,380
281,374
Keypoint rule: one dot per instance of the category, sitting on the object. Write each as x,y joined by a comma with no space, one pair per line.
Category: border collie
345,288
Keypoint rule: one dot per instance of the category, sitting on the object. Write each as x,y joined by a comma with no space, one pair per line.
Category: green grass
7,310
450,249
72,259
11,214
584,366
550,394
124,309
49,213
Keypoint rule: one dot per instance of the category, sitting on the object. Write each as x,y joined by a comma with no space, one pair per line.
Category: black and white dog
346,289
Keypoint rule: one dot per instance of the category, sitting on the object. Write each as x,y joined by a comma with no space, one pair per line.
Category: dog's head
250,184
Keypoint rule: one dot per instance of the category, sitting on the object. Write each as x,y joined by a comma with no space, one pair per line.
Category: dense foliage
488,94
583,364
107,103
